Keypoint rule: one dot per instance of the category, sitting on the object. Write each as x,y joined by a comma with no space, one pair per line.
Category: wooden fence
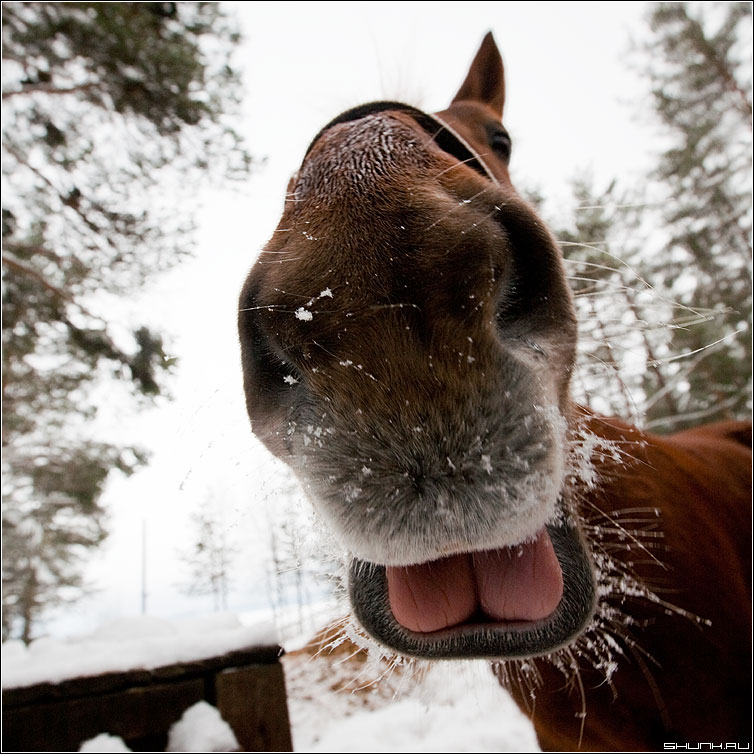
139,706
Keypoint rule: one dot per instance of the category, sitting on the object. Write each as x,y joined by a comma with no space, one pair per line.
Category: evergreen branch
24,248
24,269
49,88
64,199
15,264
701,43
743,106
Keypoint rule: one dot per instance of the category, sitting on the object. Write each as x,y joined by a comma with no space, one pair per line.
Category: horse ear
485,81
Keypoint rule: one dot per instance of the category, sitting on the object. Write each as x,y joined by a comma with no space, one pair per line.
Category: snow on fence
140,705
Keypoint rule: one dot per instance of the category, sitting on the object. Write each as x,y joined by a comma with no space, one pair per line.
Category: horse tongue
434,595
523,582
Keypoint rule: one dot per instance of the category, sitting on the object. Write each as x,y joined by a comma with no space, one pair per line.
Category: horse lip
489,641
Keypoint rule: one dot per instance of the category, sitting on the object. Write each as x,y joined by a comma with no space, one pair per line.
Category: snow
411,725
346,694
201,728
337,702
128,644
455,707
104,742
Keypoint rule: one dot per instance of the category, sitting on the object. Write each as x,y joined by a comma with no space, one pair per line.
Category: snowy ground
456,707
338,702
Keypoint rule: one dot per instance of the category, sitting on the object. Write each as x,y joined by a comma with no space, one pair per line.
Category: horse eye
498,139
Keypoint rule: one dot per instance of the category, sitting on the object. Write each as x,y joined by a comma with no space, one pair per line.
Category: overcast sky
574,104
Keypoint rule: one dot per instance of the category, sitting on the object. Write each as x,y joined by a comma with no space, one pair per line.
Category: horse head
407,338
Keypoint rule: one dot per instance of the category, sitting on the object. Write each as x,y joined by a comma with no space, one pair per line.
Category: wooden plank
133,714
121,680
246,685
252,701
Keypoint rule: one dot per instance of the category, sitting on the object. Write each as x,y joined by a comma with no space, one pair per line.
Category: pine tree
112,114
664,298
700,72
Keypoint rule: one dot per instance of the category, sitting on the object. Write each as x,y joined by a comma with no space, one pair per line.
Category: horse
407,340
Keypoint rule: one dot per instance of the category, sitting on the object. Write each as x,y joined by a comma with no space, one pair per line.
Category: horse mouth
512,603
